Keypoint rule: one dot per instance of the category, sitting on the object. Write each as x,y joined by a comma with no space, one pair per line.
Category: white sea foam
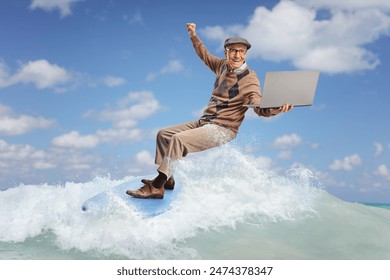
230,206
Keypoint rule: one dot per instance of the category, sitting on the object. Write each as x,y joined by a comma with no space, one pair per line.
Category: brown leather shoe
169,185
147,191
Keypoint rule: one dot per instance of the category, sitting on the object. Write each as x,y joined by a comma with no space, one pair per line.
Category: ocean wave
231,205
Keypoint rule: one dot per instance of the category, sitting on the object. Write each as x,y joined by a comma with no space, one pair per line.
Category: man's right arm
213,62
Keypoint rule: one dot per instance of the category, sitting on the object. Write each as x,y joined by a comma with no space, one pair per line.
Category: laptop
292,87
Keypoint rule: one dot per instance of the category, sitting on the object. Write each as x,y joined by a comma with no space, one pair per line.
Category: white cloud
315,146
11,124
39,72
292,32
135,18
214,32
285,154
346,4
25,163
382,177
287,141
112,81
75,140
19,152
43,165
15,158
129,110
77,162
142,163
347,164
120,135
173,66
124,117
378,149
144,158
383,171
44,74
286,144
151,77
63,6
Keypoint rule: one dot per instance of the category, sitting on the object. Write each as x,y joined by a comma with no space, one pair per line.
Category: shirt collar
238,70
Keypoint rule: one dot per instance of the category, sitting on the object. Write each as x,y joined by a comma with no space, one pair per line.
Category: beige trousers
177,141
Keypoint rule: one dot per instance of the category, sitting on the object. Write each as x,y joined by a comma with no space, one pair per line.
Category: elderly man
235,85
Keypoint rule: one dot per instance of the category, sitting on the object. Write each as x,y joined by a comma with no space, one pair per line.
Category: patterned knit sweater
231,91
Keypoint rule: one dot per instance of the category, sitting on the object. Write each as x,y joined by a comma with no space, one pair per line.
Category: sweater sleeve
211,61
255,98
264,112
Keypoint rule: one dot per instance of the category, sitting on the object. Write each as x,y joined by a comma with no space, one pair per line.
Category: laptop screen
288,87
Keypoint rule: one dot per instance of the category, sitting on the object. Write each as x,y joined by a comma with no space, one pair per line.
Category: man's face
235,55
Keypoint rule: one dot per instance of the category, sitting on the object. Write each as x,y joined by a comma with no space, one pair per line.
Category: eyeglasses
235,51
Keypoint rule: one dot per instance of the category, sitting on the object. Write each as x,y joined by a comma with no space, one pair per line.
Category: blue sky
85,85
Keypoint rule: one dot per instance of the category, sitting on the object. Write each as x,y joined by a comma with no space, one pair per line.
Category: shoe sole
149,197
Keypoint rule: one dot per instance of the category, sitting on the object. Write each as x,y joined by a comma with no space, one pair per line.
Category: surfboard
148,207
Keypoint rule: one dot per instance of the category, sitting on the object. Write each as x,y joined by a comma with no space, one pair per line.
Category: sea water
231,206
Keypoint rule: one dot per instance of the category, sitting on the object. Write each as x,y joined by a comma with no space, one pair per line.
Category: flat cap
236,40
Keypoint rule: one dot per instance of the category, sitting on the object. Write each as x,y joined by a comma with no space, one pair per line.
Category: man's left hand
282,109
